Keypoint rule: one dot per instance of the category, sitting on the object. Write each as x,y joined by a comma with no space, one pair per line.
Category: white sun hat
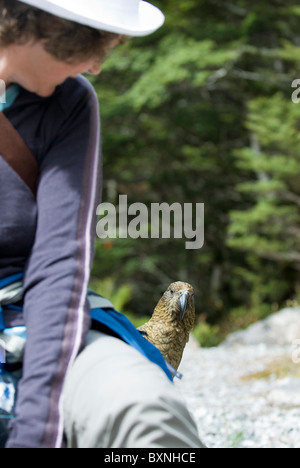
130,17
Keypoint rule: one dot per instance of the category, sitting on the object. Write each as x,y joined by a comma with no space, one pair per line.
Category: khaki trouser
116,398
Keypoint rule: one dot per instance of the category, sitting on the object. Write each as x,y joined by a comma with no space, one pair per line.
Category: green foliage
119,296
201,111
207,335
271,226
176,68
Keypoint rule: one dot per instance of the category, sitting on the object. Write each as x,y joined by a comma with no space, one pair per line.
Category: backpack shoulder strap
17,154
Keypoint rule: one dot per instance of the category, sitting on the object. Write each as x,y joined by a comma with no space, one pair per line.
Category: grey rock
286,392
237,405
278,329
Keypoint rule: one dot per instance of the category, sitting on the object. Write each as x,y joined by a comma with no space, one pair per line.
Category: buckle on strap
98,302
13,341
11,291
11,294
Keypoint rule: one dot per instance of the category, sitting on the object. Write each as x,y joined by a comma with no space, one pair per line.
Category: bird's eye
171,291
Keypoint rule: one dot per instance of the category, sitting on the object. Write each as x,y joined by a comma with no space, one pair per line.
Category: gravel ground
245,393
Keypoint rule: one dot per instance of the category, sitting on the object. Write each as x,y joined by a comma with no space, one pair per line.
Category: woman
107,395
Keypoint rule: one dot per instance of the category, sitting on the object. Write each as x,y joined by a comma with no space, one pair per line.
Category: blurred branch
292,197
282,257
235,9
253,76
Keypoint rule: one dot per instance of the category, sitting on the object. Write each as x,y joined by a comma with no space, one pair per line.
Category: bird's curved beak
184,295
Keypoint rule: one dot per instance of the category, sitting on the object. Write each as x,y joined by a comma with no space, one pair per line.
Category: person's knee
130,413
123,400
157,419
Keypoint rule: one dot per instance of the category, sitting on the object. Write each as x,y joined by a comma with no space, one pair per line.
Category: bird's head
178,302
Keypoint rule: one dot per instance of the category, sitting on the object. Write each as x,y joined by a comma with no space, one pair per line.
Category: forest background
202,112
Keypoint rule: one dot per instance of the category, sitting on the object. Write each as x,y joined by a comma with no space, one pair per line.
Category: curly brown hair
65,40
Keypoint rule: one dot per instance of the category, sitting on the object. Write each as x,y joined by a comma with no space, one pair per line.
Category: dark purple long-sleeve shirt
51,239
